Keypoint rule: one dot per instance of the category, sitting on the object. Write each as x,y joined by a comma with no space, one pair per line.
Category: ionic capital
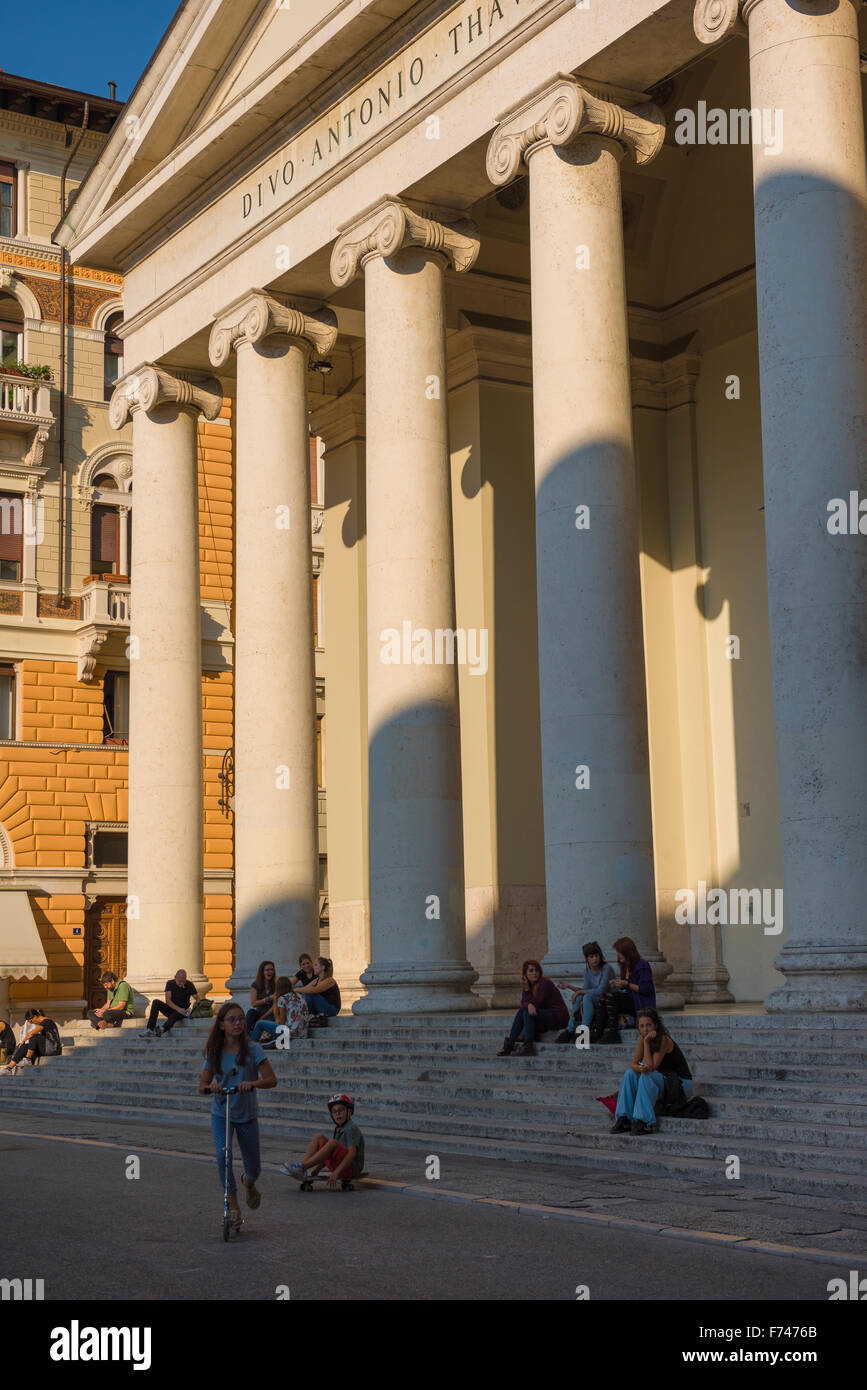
391,226
256,315
149,386
715,20
561,112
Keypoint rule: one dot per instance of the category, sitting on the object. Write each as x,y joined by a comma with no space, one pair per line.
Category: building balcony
105,612
25,404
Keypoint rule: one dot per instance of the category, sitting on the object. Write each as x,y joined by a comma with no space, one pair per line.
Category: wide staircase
788,1095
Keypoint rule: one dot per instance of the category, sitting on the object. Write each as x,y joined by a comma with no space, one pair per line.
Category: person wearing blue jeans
597,973
322,994
232,1061
643,1082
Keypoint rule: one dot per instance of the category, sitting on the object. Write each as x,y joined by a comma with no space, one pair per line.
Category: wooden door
104,946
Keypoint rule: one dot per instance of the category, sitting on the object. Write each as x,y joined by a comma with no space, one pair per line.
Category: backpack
53,1045
203,1009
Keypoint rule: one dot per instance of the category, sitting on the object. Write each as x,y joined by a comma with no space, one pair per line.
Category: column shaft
811,264
416,843
276,819
165,745
598,844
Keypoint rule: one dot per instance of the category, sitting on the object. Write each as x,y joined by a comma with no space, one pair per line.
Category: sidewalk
652,1204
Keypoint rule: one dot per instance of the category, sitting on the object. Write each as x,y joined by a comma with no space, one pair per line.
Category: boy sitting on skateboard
342,1155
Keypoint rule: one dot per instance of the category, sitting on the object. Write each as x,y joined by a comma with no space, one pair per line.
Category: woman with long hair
232,1060
634,990
322,995
542,1008
643,1082
262,993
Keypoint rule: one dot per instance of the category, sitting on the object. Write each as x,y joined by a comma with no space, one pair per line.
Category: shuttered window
104,540
314,472
115,710
11,537
7,702
7,200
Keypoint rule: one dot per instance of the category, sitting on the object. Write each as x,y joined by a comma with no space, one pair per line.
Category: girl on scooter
232,1060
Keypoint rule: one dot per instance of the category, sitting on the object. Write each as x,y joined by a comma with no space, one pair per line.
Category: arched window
105,481
11,331
112,355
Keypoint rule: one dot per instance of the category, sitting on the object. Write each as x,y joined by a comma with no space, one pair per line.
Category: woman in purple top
634,990
542,1008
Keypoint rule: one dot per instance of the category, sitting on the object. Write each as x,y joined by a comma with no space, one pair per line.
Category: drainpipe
61,421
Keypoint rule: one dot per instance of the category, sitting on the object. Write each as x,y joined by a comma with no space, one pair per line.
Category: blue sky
85,44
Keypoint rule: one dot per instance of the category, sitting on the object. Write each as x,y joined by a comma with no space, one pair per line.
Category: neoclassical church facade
572,294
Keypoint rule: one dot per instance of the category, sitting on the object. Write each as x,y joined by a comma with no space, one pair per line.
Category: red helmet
342,1099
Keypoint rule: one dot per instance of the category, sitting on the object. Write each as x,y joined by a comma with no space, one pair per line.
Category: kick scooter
227,1165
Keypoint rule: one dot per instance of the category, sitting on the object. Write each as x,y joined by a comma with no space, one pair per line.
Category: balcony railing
24,402
105,600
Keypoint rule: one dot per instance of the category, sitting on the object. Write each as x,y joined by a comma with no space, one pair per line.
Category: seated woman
7,1040
262,994
269,1022
634,990
32,1043
542,1008
597,973
304,974
643,1082
322,994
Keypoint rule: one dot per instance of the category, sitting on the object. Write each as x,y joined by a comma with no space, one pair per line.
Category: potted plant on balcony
31,370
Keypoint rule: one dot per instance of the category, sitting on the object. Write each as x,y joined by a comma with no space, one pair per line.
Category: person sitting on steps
643,1082
7,1040
635,989
305,974
262,993
597,973
32,1043
181,997
542,1008
322,994
119,1005
269,1024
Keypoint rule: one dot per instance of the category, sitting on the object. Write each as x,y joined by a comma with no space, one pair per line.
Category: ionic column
276,805
418,930
164,919
596,783
811,265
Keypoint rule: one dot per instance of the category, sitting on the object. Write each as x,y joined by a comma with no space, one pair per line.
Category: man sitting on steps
181,998
118,1006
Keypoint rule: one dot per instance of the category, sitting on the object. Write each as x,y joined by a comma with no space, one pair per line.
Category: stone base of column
154,987
821,979
701,987
414,987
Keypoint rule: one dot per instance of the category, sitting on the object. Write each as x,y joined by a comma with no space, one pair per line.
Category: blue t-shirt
245,1105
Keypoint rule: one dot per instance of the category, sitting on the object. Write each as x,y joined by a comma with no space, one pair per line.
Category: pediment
224,76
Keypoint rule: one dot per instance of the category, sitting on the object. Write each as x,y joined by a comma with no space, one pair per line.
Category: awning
22,955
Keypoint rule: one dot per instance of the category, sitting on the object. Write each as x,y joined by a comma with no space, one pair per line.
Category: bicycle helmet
342,1099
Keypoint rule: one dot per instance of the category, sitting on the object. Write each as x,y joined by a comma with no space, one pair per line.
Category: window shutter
314,471
12,528
104,547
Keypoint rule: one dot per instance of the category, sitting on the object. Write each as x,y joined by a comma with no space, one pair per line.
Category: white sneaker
145,1034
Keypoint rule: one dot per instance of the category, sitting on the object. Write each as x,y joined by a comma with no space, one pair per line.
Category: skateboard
346,1184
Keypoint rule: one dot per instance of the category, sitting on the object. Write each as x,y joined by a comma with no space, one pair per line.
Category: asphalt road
68,1203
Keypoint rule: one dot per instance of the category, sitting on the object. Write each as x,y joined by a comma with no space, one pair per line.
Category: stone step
802,1177
471,1117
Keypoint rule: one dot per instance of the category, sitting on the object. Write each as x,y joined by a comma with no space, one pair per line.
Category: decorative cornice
562,111
715,20
390,226
256,315
149,386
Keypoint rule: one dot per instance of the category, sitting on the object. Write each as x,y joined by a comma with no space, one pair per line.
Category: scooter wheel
227,1226
307,1187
